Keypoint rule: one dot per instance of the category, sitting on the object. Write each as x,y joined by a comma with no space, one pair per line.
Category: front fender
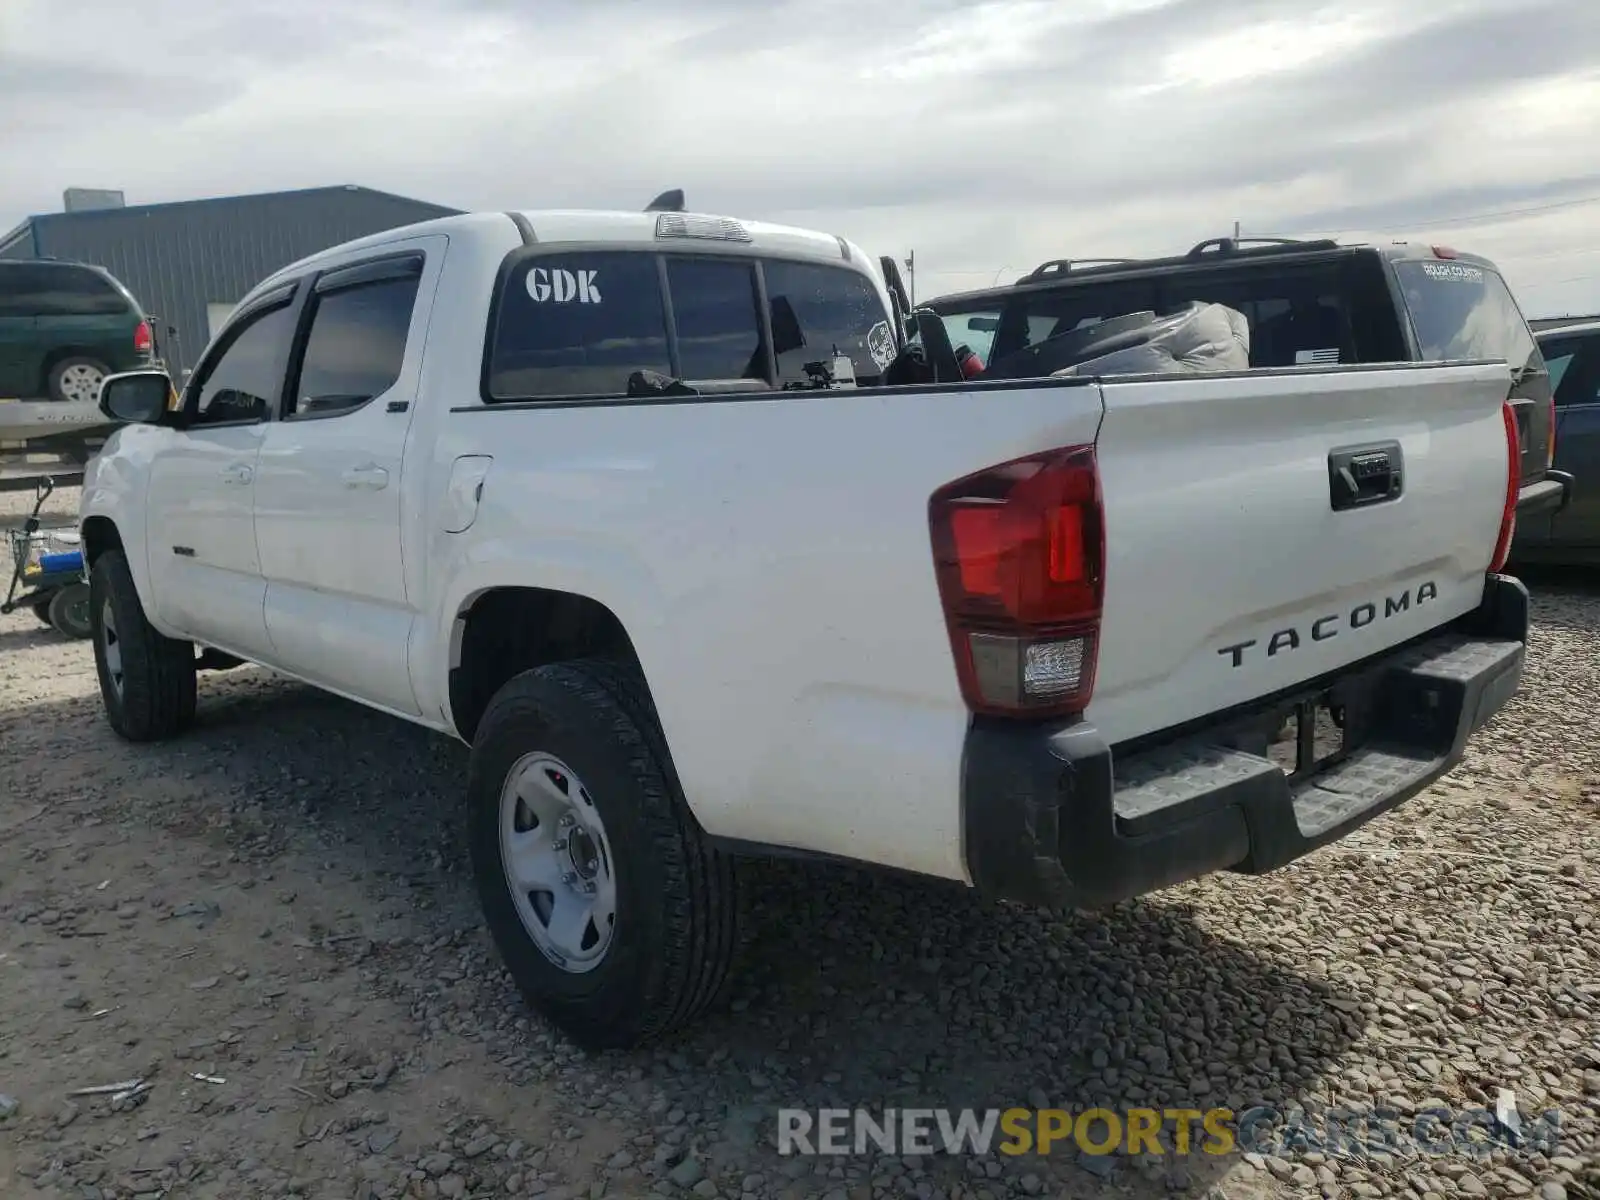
114,489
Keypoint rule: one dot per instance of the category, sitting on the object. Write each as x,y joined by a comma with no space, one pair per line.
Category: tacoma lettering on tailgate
1323,628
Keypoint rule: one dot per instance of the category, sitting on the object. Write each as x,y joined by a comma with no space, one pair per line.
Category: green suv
64,326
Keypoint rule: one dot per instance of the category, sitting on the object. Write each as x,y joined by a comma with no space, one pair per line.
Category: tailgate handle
1362,475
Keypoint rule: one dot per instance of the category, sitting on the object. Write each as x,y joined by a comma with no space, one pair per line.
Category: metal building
190,262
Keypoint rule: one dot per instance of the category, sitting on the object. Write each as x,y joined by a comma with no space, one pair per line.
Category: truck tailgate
1236,566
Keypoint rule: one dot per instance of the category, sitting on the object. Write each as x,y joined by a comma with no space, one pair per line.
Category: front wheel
147,680
614,916
68,613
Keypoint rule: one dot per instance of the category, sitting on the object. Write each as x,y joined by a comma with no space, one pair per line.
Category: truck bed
770,559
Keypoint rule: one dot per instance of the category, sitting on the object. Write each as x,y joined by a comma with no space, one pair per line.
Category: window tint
831,307
1035,317
975,330
40,290
1558,357
1297,315
578,325
242,384
714,311
1461,310
1574,369
356,346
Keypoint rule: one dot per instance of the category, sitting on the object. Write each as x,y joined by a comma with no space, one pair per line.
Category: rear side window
577,325
38,290
817,310
1462,310
1574,364
356,346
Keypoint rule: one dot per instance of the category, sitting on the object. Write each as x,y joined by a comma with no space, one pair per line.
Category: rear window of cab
579,323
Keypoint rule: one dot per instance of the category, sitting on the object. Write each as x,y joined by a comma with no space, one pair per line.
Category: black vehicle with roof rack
1308,302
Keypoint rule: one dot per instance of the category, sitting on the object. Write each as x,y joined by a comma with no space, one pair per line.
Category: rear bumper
1051,818
1545,497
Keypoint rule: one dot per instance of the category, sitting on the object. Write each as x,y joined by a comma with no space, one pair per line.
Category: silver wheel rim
81,383
111,644
77,614
558,863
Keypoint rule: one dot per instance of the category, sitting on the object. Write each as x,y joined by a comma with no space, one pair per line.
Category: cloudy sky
986,134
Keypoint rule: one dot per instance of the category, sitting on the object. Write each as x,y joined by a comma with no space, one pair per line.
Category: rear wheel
614,916
76,380
69,611
42,611
147,680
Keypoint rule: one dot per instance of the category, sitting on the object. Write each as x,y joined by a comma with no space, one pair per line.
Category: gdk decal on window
562,286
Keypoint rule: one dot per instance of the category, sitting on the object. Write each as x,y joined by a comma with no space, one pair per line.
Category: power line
1545,283
1471,218
1441,223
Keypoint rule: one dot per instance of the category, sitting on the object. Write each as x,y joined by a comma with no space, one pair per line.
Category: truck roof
652,229
1212,254
1549,326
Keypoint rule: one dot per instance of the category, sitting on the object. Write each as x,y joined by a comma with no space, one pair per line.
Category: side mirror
137,397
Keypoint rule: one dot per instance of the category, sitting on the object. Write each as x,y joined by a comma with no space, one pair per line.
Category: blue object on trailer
50,582
62,563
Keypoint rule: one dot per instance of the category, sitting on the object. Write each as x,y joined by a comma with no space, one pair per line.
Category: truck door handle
237,473
367,475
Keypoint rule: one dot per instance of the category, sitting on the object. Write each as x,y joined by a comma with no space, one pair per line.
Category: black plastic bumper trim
1052,815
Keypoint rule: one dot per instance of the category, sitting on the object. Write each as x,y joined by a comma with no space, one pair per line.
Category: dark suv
1571,349
1307,302
64,326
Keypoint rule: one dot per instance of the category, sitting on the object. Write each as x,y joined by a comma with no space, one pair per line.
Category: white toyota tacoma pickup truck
570,486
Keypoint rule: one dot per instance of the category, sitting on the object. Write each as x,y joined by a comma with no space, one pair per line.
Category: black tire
65,373
69,611
156,696
676,927
42,611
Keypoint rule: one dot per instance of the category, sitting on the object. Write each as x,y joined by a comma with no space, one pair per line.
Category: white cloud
989,135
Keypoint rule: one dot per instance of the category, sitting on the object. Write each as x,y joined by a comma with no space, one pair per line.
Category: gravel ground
271,922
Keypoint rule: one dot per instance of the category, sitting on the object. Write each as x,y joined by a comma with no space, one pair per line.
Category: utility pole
911,276
1236,231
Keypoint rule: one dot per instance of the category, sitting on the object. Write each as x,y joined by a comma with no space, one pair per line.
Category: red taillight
1444,252
1508,514
1019,552
141,337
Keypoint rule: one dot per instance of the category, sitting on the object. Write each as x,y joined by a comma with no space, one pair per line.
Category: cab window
577,324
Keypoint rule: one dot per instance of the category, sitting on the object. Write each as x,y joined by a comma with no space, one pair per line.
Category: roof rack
1231,245
1062,266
